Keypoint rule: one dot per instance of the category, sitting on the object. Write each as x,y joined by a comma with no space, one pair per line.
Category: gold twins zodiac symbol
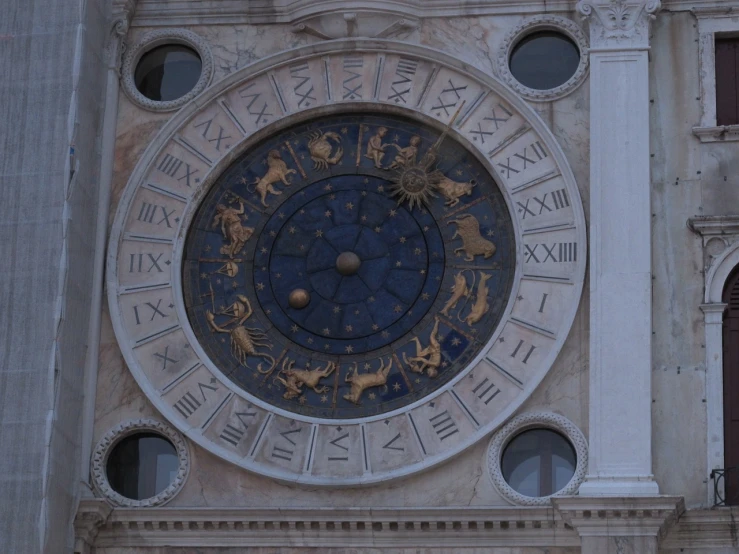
460,289
468,229
233,230
295,378
426,359
320,149
244,341
375,147
277,172
361,382
453,190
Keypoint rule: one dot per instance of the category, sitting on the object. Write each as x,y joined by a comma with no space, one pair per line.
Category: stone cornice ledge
620,516
338,527
714,225
722,133
705,529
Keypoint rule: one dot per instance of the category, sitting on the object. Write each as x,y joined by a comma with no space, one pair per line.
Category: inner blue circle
401,271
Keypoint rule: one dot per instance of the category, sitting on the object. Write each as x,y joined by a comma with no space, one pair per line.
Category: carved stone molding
446,528
546,22
619,24
159,38
525,422
91,514
620,516
113,437
717,232
348,24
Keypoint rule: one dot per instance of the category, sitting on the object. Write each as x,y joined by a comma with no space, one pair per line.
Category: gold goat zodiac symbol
468,229
320,149
295,378
426,359
361,382
244,341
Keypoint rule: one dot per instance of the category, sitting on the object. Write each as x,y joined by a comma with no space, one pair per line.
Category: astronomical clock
340,267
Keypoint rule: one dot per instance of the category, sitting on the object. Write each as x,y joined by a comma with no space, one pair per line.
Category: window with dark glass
167,72
727,81
544,60
142,465
538,462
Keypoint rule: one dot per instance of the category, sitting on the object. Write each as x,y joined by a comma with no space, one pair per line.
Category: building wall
52,62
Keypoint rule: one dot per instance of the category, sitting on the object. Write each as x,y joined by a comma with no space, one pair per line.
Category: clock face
349,266
346,263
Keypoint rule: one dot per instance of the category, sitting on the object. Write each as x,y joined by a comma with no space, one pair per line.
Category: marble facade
635,360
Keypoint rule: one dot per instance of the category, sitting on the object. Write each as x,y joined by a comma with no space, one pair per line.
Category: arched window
731,388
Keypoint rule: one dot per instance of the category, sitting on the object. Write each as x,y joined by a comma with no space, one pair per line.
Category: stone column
620,249
713,315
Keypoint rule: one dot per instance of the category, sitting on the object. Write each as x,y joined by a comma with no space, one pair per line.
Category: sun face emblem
414,182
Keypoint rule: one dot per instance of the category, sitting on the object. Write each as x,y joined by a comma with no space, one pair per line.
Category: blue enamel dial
348,266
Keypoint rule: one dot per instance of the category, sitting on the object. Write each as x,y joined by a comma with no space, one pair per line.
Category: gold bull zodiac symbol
295,378
468,229
244,341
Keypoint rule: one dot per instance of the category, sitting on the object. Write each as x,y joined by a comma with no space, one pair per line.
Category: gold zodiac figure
320,149
453,190
481,306
361,382
296,378
407,155
426,359
468,229
458,291
375,147
233,230
277,172
244,341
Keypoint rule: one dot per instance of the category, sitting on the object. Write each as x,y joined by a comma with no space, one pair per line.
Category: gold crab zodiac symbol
320,149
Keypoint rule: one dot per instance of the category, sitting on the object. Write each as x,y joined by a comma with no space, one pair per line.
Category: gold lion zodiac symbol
454,190
320,149
277,172
426,359
295,378
361,382
468,229
244,341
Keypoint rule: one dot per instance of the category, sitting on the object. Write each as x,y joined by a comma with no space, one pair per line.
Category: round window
538,462
168,72
544,60
142,465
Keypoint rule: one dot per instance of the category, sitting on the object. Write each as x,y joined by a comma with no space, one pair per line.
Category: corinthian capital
619,23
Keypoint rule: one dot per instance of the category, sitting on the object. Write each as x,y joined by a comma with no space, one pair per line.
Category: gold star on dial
348,328
349,206
292,230
260,286
372,396
327,213
349,349
326,331
294,328
402,240
392,213
396,387
319,233
264,250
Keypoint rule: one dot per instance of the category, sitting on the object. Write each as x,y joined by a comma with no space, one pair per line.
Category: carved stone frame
159,38
712,22
526,422
105,446
544,23
720,237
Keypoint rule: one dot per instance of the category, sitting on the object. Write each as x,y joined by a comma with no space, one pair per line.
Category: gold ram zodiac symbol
244,341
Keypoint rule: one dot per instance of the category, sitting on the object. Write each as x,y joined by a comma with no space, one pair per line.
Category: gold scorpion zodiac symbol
244,341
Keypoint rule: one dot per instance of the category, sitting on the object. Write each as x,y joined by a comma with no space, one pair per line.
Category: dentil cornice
619,24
